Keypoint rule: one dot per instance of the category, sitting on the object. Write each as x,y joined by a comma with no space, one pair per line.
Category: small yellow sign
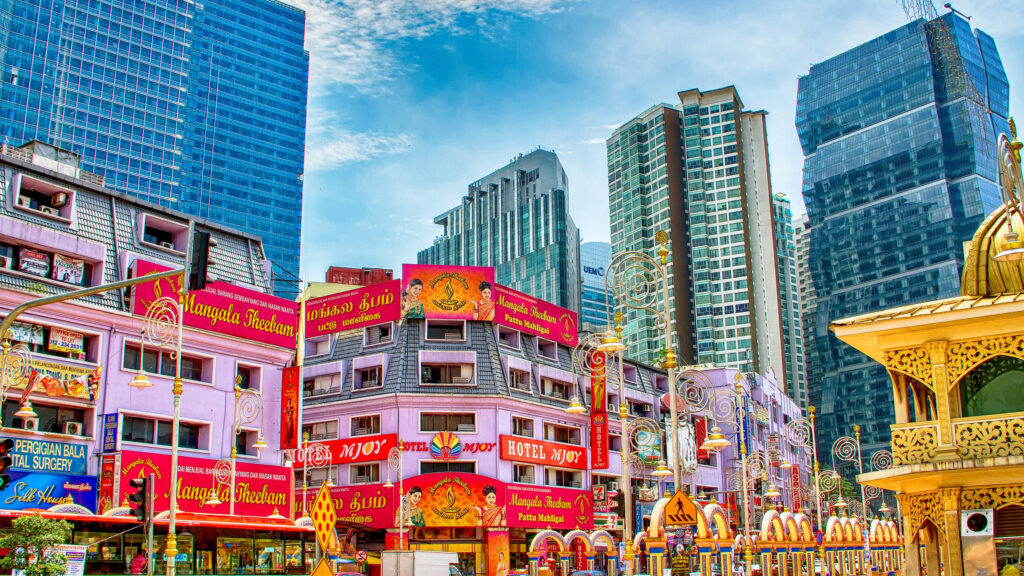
324,518
323,568
681,511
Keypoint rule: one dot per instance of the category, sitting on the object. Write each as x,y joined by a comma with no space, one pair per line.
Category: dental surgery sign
44,474
223,308
42,456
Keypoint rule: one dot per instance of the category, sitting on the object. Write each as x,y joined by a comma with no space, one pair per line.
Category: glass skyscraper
199,107
899,141
516,220
594,299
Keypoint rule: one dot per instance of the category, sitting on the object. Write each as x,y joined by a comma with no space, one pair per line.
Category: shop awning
184,519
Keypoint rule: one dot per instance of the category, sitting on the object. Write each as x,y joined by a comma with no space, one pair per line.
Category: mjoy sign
358,449
542,452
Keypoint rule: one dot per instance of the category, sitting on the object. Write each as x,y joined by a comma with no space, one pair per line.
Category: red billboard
354,309
796,487
358,449
259,489
371,505
534,316
599,441
223,308
598,390
456,292
549,507
542,452
290,408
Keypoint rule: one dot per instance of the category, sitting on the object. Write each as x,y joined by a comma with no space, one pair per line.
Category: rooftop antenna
949,5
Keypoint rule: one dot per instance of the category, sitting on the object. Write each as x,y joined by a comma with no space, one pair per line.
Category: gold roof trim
933,307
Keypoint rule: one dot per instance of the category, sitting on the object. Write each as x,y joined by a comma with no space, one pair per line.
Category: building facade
516,220
358,276
807,304
899,142
198,107
789,300
60,232
699,171
594,298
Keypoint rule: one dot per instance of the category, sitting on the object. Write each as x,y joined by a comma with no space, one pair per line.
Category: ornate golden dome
995,256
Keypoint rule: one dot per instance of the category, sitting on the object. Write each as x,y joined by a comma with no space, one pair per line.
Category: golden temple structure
957,368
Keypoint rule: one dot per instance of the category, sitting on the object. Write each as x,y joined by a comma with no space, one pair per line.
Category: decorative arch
69,508
657,527
577,535
792,531
985,385
602,535
772,529
547,535
716,517
806,531
641,536
833,530
877,532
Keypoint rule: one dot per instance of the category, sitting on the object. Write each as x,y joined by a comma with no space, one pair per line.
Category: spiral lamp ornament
160,324
634,278
881,460
844,449
248,408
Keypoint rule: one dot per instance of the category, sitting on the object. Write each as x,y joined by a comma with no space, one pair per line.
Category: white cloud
342,147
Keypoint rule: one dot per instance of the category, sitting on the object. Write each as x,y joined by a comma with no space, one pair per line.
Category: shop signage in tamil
43,456
542,452
259,489
223,308
358,449
354,309
371,505
40,491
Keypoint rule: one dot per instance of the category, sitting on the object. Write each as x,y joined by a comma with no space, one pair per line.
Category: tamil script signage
533,316
542,452
259,489
41,490
371,505
358,449
223,308
354,309
43,456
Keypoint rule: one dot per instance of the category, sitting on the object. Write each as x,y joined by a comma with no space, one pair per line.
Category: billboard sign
357,449
451,292
522,449
290,408
42,490
534,316
359,308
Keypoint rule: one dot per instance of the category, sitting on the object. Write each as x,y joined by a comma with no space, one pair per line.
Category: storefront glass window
234,556
269,556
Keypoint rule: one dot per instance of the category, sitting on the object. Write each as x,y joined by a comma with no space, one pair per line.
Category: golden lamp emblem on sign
450,301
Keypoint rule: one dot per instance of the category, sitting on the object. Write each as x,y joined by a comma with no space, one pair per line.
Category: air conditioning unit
73,428
977,523
49,210
31,424
168,245
59,199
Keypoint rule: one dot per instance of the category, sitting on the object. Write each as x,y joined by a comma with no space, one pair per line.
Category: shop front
487,522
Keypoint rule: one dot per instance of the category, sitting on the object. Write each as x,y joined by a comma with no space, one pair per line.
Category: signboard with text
111,435
522,449
290,408
41,490
599,441
357,449
223,308
354,309
534,316
371,505
455,292
44,456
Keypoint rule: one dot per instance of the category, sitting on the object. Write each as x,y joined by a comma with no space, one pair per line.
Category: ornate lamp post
314,456
799,433
15,367
847,449
395,463
248,409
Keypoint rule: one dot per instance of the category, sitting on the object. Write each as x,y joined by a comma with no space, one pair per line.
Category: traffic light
201,262
140,500
6,447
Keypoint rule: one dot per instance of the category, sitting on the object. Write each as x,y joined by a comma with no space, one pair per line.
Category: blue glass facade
200,107
594,299
899,171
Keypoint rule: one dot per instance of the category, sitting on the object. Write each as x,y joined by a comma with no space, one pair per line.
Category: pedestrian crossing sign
680,511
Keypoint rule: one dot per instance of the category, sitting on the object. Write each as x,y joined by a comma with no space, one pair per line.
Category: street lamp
313,456
16,367
221,476
395,463
248,409
847,449
800,433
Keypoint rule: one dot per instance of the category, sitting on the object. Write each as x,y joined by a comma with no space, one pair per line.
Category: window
152,431
446,330
563,434
33,261
248,377
547,349
556,389
430,422
508,337
193,368
317,476
45,198
244,441
54,341
319,346
164,234
364,473
522,426
321,430
639,408
450,374
50,418
363,425
367,378
564,478
523,473
629,372
321,385
380,334
428,466
519,380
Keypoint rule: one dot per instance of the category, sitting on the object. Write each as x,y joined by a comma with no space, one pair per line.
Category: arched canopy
577,535
834,530
772,529
717,522
806,532
603,536
547,535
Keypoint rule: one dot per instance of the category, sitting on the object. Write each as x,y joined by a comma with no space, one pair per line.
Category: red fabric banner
700,427
796,487
290,408
598,391
599,441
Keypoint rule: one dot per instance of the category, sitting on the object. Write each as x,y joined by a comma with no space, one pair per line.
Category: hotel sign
358,449
542,452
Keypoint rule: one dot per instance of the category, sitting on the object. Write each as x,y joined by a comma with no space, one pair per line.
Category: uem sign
542,452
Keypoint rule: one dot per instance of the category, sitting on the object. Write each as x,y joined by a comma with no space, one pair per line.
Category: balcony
975,438
914,443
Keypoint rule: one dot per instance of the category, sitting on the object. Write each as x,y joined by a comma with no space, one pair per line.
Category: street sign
323,568
360,556
324,518
680,511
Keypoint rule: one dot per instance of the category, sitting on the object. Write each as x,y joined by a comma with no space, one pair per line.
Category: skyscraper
517,220
700,172
899,142
199,107
807,355
789,300
594,299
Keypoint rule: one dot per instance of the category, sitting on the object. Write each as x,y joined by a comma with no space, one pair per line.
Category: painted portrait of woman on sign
412,306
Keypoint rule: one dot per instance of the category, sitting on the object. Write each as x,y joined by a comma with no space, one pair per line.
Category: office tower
789,301
899,170
699,171
807,306
199,107
516,219
594,299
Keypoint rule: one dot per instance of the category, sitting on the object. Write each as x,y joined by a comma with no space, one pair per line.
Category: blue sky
412,100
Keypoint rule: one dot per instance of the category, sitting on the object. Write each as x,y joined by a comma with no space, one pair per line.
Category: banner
357,449
598,390
599,441
700,427
223,308
773,449
549,507
60,380
523,449
74,557
796,488
648,445
371,505
290,408
43,456
109,481
534,316
498,557
41,490
354,309
456,292
259,489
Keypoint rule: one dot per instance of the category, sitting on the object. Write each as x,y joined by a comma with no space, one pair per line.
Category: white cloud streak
342,147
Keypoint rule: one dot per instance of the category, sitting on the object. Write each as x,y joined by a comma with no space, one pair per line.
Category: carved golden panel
921,507
914,361
990,438
914,445
992,497
965,355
